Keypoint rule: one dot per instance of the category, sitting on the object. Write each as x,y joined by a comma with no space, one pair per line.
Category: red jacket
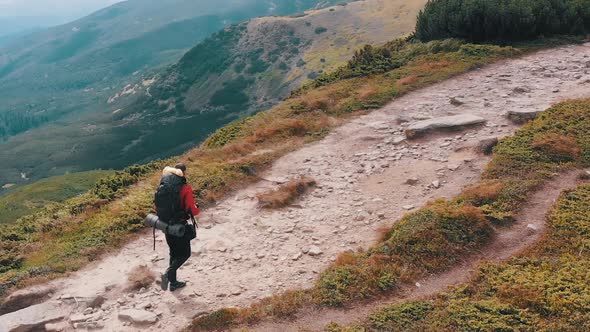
187,200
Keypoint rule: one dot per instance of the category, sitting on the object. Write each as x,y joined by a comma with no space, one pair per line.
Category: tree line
502,20
12,123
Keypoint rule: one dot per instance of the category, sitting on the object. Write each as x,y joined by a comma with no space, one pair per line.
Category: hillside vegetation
502,20
72,234
243,69
30,198
544,289
56,82
85,227
437,236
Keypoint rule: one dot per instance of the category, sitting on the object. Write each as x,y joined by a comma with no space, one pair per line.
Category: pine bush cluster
502,20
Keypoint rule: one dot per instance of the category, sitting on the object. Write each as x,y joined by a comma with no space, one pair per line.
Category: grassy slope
67,237
250,67
30,198
544,289
63,76
437,236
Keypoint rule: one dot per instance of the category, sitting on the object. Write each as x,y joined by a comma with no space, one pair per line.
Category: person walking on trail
183,208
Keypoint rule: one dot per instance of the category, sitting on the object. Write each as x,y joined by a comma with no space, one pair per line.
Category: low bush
501,20
110,187
557,147
545,289
372,60
285,194
424,242
140,277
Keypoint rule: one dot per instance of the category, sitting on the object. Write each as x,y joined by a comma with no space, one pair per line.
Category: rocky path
362,169
528,228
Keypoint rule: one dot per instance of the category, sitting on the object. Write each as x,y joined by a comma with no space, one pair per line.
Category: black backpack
167,199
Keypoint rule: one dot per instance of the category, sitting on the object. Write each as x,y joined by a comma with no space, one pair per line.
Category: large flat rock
138,316
24,298
453,122
30,319
522,115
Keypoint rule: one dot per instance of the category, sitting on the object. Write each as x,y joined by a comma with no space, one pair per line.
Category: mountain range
119,87
56,81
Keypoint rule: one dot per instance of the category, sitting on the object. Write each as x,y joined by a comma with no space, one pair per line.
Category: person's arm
188,200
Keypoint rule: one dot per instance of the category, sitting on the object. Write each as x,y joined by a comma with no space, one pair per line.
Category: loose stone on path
443,123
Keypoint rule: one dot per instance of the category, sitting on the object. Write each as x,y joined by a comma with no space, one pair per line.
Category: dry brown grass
410,79
383,233
140,277
281,128
558,146
484,192
285,194
367,91
427,66
346,258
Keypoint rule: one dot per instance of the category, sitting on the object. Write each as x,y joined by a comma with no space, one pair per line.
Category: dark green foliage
9,260
217,321
226,134
320,30
239,67
212,56
232,94
407,316
427,241
12,123
502,20
376,60
109,187
283,66
257,66
523,166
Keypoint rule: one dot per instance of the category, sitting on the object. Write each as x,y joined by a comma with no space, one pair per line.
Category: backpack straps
190,213
154,236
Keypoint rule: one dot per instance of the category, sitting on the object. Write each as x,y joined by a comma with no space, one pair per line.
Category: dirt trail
244,254
528,228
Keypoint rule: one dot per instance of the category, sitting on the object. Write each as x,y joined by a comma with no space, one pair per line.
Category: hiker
183,208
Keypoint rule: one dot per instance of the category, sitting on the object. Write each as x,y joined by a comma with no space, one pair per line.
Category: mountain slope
239,252
270,56
242,69
60,79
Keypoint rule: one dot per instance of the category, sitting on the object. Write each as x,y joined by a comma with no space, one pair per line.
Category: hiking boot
164,282
177,285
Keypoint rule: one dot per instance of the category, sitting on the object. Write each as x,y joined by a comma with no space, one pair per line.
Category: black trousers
180,251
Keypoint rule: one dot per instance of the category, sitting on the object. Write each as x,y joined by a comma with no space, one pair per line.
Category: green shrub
217,321
427,241
320,30
501,20
406,316
108,188
372,60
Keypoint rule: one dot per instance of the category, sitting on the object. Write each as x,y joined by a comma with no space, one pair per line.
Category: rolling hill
242,69
55,82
